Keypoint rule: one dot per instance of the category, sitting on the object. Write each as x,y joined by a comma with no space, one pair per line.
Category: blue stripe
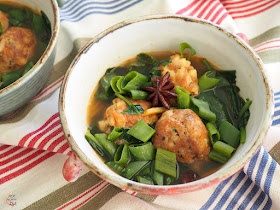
229,191
276,122
277,113
277,98
261,169
85,7
269,177
277,105
240,193
100,12
249,197
268,204
252,164
259,201
277,94
215,194
73,15
74,5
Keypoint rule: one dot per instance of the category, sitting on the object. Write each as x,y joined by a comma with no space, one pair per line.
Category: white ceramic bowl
21,91
159,33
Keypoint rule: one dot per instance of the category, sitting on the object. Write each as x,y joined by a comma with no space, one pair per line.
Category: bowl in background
161,33
25,88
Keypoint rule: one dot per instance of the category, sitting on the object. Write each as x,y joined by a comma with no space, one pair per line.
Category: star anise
161,91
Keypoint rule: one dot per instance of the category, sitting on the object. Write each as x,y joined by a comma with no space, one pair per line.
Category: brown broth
97,108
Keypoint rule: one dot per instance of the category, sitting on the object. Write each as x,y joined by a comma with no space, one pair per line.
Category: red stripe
55,143
257,12
17,156
9,152
63,148
3,147
267,48
226,2
217,14
90,197
46,89
69,153
187,8
264,43
204,9
250,9
222,18
244,5
197,8
26,137
133,193
211,11
26,168
21,162
39,135
50,137
67,204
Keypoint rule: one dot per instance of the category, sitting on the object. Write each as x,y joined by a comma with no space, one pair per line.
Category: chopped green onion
245,107
109,146
168,180
145,180
138,95
115,167
146,171
165,162
213,132
218,157
143,152
183,99
184,46
95,144
146,58
242,135
122,155
133,168
116,132
106,85
141,131
229,134
133,81
157,176
208,80
201,108
116,84
223,148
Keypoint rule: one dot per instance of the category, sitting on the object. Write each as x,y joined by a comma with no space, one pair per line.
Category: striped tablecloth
33,148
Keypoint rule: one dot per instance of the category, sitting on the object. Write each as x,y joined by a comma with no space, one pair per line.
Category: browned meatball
17,46
182,131
114,117
4,21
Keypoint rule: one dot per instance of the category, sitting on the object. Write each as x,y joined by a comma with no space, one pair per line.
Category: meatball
182,73
182,131
114,117
4,21
17,46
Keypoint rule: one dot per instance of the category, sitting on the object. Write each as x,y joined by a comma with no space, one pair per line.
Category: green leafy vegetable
132,109
146,59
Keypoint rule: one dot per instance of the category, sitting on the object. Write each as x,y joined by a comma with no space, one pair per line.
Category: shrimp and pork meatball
182,73
114,117
17,46
182,131
4,21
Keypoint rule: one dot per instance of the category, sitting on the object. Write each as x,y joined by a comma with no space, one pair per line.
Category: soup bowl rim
167,189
